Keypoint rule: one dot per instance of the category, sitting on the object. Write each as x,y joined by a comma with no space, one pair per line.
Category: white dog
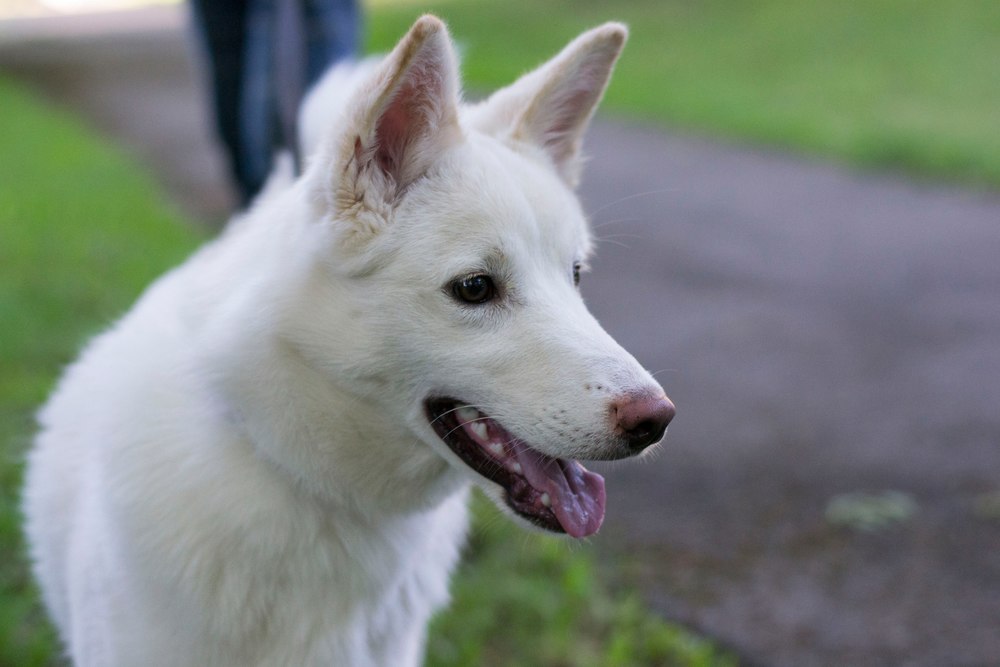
266,461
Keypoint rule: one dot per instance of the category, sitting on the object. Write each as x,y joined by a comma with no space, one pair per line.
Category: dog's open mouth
557,494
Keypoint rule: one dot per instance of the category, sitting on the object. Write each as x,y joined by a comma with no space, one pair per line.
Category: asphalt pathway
823,332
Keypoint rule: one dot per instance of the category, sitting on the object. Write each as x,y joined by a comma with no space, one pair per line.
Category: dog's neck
330,434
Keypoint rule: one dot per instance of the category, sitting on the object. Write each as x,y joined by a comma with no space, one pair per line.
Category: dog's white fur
240,471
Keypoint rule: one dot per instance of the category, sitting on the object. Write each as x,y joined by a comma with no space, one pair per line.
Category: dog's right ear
398,124
551,106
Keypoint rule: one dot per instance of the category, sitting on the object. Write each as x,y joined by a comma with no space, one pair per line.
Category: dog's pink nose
643,418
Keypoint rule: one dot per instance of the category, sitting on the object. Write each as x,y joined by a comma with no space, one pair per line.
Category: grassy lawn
908,84
82,230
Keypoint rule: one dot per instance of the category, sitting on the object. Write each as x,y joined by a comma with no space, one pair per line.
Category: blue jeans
262,56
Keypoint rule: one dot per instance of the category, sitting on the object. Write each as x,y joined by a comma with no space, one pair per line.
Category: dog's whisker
647,193
616,242
606,237
457,428
617,221
456,409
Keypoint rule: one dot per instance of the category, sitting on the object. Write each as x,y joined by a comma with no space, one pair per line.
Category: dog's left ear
398,124
551,107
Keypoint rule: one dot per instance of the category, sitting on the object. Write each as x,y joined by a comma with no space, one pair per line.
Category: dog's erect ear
552,106
400,121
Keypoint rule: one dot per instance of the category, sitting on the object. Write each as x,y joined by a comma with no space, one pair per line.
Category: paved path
821,330
824,331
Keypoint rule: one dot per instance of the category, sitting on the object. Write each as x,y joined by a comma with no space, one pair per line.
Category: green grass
909,84
82,231
528,600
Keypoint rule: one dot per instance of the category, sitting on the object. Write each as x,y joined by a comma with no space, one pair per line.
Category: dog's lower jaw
555,494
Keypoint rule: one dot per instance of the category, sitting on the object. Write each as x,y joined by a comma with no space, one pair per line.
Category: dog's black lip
441,412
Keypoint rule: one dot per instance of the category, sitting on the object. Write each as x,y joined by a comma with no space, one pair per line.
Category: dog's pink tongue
577,494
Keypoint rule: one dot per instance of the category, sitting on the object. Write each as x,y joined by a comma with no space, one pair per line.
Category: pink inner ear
391,136
571,110
410,119
561,111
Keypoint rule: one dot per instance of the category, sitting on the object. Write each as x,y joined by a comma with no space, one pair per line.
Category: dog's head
461,243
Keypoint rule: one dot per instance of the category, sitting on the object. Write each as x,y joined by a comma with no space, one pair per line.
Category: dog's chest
357,597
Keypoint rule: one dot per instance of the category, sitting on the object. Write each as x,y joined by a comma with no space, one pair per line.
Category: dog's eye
474,289
576,273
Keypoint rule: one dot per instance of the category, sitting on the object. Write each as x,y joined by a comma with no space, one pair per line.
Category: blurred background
798,212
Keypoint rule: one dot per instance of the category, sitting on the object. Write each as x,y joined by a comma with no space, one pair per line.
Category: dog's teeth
546,500
467,414
516,467
496,448
479,428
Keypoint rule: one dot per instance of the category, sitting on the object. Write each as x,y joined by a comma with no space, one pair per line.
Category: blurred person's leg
220,27
333,30
258,117
283,47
